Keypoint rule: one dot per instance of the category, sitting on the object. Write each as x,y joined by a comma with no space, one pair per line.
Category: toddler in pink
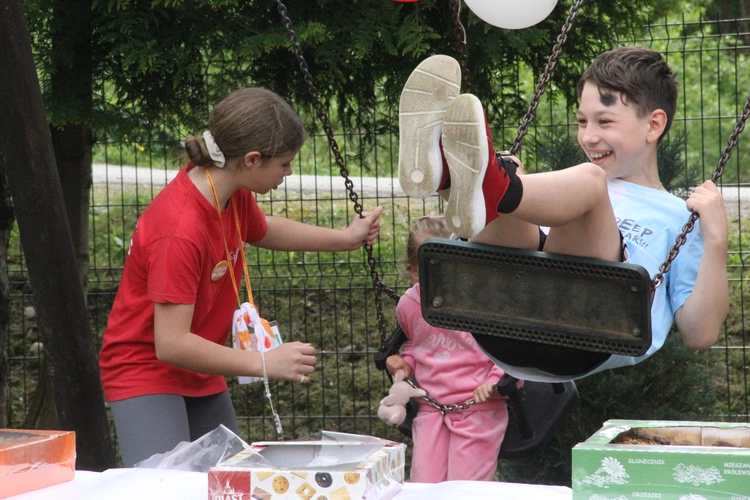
452,369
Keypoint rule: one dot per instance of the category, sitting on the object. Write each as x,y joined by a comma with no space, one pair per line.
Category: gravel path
117,175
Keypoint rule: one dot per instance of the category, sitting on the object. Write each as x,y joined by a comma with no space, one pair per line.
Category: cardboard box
633,459
338,467
31,459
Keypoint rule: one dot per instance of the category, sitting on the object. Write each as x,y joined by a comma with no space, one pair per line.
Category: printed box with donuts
338,467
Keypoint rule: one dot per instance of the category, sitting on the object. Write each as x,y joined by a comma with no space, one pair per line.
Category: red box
31,459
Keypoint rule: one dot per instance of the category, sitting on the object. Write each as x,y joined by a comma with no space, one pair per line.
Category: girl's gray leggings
148,425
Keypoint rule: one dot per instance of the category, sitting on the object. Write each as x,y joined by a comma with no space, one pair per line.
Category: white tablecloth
150,484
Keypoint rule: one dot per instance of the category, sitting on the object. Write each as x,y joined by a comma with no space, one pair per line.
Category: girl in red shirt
164,355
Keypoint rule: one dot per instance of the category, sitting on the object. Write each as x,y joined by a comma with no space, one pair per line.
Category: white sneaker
467,152
428,92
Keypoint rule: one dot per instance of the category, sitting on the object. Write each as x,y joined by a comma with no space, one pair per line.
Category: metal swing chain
460,34
443,409
378,286
544,79
717,173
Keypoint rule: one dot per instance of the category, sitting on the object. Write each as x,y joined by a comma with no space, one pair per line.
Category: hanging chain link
460,34
378,286
717,173
443,409
544,79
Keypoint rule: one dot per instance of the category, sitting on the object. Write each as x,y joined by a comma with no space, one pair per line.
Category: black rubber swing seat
571,303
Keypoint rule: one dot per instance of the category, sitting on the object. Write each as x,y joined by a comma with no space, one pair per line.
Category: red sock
495,182
445,180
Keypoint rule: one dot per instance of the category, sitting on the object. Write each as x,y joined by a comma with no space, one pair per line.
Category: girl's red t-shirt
175,256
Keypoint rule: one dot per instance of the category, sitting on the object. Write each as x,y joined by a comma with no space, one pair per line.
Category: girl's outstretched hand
365,228
294,361
484,393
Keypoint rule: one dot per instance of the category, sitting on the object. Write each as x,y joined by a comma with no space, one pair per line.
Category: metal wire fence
327,298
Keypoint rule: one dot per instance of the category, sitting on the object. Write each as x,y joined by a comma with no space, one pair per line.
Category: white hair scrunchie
213,149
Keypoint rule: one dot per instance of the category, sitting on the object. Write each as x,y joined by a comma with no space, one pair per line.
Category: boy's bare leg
573,203
585,223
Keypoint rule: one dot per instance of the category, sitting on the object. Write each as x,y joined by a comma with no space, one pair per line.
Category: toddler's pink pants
462,445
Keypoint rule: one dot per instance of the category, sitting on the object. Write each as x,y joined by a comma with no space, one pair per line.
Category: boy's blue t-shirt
650,220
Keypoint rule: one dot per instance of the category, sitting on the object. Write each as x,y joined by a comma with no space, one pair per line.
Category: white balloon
512,14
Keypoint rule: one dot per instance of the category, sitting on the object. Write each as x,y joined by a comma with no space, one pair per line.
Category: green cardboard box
635,459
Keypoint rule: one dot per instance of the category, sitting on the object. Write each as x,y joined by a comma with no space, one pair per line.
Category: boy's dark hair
640,75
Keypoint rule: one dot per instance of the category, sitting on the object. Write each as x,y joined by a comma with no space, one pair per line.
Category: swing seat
535,411
573,304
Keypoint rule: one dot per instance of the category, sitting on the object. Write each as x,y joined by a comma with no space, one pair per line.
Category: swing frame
630,283
552,261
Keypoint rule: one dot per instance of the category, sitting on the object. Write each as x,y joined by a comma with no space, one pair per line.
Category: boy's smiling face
616,138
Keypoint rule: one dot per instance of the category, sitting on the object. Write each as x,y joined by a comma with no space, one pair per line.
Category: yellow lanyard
226,245
276,418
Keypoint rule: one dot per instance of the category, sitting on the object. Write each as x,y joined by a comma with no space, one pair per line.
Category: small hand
395,363
485,392
365,228
294,361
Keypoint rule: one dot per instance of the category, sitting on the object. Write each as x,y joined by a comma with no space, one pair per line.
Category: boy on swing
613,207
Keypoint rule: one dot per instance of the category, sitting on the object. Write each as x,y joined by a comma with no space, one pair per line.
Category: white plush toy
392,408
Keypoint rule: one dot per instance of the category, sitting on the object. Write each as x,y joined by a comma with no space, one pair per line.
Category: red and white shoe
477,182
428,92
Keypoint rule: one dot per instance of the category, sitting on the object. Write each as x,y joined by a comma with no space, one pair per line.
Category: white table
151,484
